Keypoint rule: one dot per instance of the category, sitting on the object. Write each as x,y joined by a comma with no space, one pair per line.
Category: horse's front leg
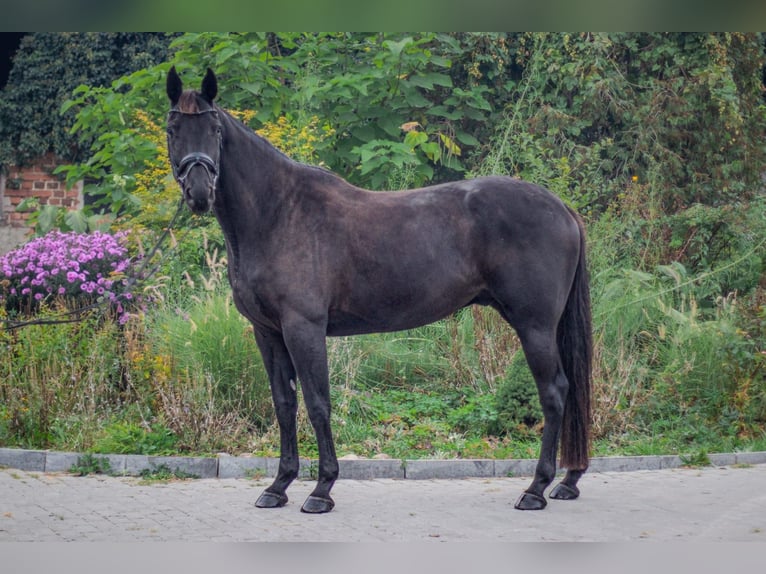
281,372
306,341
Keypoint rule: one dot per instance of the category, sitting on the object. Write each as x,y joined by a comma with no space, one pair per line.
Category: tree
46,68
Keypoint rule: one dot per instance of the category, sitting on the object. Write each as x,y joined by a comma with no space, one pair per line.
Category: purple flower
63,263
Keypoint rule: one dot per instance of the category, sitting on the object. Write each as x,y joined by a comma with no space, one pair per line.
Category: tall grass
669,363
55,380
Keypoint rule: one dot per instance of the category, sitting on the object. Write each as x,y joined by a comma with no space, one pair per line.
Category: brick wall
35,180
20,183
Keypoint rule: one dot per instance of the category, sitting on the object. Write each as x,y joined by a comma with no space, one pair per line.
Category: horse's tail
575,342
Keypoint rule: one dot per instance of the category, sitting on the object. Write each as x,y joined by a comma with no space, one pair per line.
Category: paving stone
247,467
459,468
199,467
366,469
708,504
750,458
307,470
722,459
624,463
519,467
135,463
116,463
60,461
29,460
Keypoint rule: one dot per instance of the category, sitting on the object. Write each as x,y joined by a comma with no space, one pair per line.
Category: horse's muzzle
200,197
199,192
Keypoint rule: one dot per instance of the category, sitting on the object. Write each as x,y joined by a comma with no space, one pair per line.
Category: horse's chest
253,302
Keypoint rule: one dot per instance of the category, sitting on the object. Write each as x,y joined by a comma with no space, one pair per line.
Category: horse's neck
250,195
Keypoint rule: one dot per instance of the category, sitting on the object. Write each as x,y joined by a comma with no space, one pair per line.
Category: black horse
310,255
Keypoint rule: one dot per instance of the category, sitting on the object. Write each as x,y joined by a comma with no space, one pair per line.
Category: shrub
516,401
67,267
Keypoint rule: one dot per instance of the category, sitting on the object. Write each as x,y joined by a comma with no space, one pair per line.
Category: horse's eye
169,132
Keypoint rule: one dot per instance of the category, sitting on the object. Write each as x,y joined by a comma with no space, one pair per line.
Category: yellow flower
298,142
634,179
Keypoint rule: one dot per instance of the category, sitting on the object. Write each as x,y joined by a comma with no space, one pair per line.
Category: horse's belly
390,310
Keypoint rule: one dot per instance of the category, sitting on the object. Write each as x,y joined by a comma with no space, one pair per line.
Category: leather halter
182,168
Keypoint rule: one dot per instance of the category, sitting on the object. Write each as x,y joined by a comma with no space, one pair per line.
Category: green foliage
119,150
46,218
131,438
46,68
669,365
476,417
365,86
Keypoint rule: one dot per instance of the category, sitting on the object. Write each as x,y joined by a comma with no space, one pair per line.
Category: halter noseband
182,169
190,160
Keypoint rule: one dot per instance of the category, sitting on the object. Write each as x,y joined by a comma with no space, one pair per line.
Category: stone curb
225,466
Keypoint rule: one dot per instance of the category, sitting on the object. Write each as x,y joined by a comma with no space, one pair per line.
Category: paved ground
709,504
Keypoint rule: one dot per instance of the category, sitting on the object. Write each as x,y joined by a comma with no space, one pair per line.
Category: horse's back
412,257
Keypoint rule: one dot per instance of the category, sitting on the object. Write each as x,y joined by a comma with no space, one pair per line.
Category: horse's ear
209,86
175,86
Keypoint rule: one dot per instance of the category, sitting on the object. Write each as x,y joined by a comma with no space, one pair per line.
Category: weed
255,473
696,460
90,464
163,473
313,469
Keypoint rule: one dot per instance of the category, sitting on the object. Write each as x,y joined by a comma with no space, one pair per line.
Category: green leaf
46,219
415,138
397,47
450,145
432,151
467,139
430,79
76,221
444,112
416,99
28,204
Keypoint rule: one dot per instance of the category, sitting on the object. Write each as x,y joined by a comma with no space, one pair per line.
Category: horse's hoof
271,500
316,505
529,501
565,492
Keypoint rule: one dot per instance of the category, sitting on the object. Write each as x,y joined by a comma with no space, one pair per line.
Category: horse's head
194,140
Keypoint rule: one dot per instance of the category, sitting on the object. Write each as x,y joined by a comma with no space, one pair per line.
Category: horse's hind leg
541,351
282,379
567,488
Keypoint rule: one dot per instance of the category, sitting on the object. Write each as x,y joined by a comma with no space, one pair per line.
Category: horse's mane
187,103
265,145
